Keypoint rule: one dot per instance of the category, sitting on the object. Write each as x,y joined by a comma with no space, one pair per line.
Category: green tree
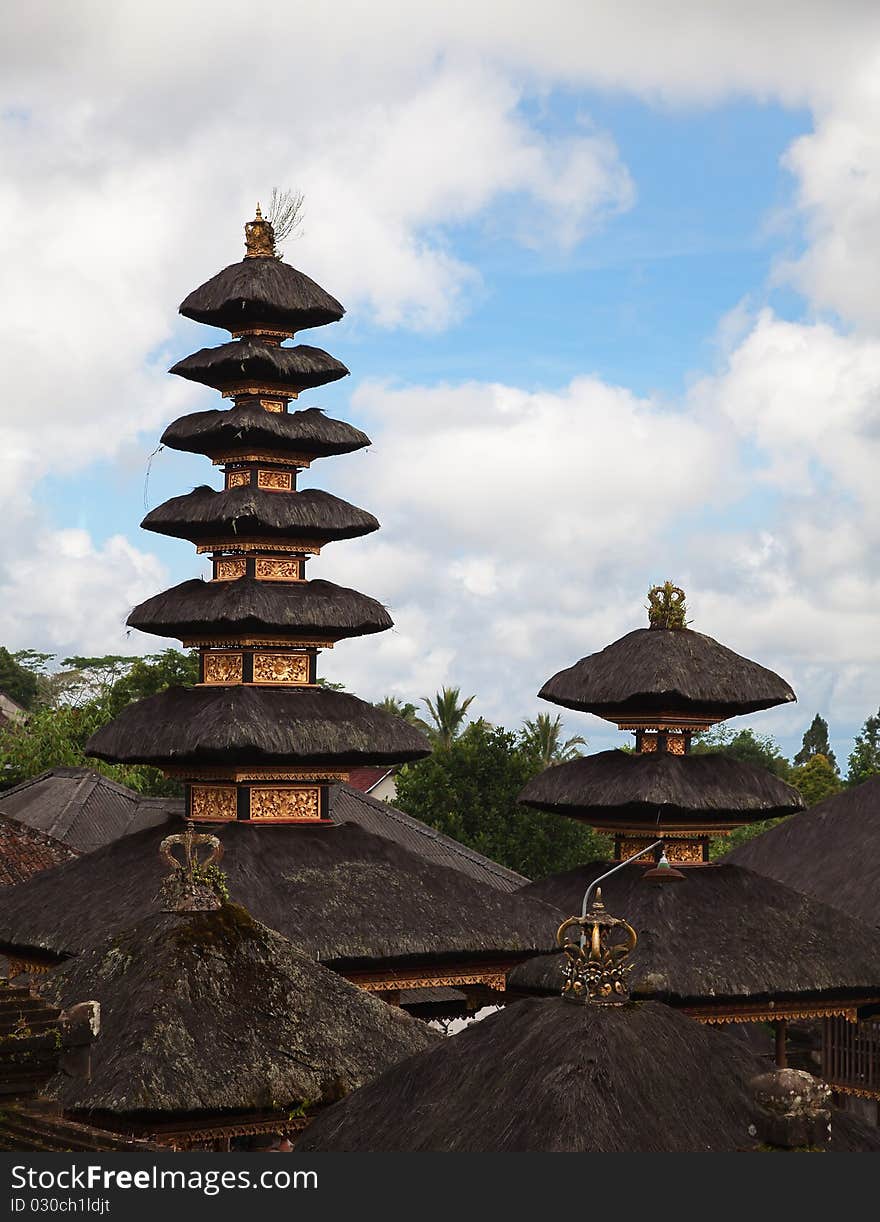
469,790
815,742
543,738
152,674
816,779
404,709
448,713
864,760
744,745
17,681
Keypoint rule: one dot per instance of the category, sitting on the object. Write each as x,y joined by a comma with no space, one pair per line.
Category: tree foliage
816,779
543,738
404,709
448,713
864,760
815,742
744,745
468,790
17,681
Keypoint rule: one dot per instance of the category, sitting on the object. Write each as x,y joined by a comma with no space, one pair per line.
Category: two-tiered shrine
259,739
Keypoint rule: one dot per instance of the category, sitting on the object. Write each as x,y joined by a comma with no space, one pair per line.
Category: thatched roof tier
246,605
208,725
250,428
666,671
311,515
341,894
248,360
721,934
261,292
659,791
546,1075
207,1011
831,852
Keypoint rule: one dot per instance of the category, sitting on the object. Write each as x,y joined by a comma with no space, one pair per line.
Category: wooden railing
851,1056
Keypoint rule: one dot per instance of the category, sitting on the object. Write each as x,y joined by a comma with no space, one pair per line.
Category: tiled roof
24,852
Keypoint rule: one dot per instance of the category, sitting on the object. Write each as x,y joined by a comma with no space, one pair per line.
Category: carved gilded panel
269,804
213,802
281,668
223,668
238,479
279,570
275,481
230,569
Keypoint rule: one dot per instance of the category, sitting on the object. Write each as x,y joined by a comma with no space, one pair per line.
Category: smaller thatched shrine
588,1071
720,941
216,1029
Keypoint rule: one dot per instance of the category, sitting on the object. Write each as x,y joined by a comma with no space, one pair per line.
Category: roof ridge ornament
259,238
192,885
666,607
595,969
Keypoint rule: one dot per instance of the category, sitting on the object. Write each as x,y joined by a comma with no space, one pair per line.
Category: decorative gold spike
666,606
595,969
259,238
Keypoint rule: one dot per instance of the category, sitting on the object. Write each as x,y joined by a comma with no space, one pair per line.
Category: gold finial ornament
595,968
192,885
666,606
259,238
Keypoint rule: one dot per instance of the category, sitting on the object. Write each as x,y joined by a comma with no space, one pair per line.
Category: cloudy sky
611,276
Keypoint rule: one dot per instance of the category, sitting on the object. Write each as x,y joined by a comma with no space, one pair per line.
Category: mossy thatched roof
261,291
546,1075
831,852
720,933
311,515
249,360
660,791
212,1010
664,670
255,725
307,432
317,609
340,893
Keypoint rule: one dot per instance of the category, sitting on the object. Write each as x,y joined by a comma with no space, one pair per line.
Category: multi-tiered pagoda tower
259,740
716,939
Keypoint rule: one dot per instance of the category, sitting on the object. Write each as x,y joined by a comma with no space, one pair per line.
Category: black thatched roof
247,360
261,291
831,852
661,670
341,894
211,1010
79,807
314,608
195,725
721,933
659,789
250,427
310,515
546,1075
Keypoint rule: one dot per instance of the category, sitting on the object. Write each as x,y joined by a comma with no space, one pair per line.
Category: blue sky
611,319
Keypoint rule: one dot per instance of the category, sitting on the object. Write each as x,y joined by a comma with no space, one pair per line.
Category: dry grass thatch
257,725
212,1010
546,1075
314,608
832,852
666,670
720,933
659,790
250,427
310,515
264,291
249,360
339,893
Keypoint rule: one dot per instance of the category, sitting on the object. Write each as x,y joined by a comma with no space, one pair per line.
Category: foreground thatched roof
546,1075
250,427
618,788
312,608
311,515
261,290
194,725
79,807
341,894
832,852
668,671
212,1010
721,933
248,360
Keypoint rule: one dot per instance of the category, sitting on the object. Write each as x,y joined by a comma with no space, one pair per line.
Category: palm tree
448,713
404,709
543,736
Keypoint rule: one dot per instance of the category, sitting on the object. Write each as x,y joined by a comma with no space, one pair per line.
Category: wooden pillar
781,1058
